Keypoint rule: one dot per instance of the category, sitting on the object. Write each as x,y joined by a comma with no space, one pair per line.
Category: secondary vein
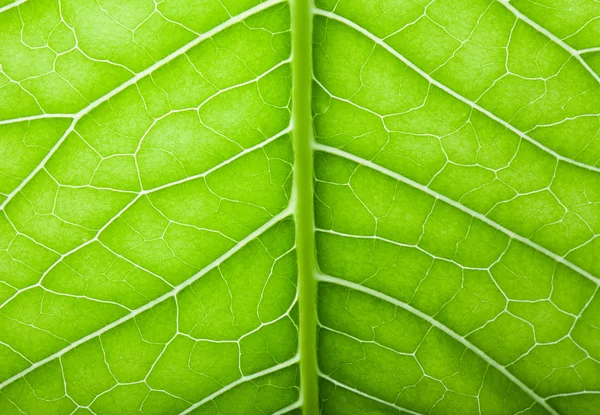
450,91
79,115
448,331
367,163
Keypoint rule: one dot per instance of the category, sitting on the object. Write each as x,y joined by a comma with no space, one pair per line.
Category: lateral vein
11,5
79,115
574,53
366,395
277,218
445,329
450,91
241,380
457,205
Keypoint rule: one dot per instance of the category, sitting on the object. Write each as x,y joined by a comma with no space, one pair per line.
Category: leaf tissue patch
278,207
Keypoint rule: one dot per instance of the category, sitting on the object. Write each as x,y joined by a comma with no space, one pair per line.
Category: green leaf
265,207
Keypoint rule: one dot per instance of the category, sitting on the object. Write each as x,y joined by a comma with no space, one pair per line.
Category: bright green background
147,236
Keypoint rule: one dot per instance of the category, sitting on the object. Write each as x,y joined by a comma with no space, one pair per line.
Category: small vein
366,395
574,53
79,115
273,221
450,91
451,202
448,331
241,380
589,50
35,117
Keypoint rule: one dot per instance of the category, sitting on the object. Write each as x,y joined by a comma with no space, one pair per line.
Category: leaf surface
156,233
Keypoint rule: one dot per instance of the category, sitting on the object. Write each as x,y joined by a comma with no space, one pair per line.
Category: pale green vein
241,380
78,116
448,331
11,5
272,222
589,50
303,194
366,395
436,195
450,91
574,53
35,117
137,198
288,409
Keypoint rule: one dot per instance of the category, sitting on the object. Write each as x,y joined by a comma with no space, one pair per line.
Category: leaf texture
457,207
151,211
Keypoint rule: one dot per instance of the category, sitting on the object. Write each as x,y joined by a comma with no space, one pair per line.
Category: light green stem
303,179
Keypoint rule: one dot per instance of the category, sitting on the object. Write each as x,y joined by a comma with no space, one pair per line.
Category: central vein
303,182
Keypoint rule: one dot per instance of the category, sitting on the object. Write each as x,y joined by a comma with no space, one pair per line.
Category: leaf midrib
303,200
